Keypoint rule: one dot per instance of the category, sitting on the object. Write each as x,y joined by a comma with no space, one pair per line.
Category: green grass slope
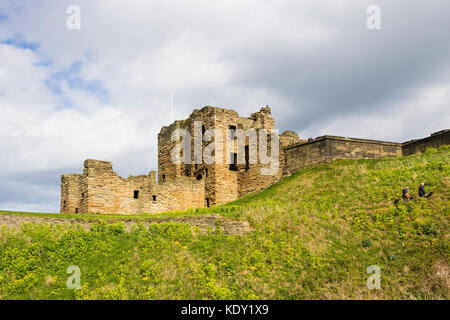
316,234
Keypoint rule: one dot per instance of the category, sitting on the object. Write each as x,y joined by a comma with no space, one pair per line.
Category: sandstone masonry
180,186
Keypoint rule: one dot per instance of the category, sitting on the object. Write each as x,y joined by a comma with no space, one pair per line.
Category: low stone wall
435,140
204,222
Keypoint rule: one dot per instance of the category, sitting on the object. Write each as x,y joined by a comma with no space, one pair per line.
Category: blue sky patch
71,76
19,42
3,17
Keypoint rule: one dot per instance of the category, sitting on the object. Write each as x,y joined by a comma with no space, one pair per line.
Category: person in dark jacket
405,194
422,190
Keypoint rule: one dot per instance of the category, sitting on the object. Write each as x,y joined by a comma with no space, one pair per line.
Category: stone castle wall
330,148
180,186
435,140
101,190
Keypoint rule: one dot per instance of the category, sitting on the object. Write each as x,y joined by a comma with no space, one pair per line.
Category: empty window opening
247,158
233,161
206,172
76,210
207,202
164,178
188,168
136,194
199,177
203,130
154,198
232,132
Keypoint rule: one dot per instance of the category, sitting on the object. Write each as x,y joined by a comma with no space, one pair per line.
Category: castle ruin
195,185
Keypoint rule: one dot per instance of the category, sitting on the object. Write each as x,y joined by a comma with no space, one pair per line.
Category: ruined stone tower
224,182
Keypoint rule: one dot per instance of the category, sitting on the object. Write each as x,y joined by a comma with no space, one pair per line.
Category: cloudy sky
103,91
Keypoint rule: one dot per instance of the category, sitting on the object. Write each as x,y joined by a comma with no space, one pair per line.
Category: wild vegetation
316,233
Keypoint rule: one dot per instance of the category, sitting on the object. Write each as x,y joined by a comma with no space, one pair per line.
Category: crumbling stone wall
101,190
70,194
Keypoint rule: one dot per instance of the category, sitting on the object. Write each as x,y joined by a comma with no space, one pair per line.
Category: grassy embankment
316,233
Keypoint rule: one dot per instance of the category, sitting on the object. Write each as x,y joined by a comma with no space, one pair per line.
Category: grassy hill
316,233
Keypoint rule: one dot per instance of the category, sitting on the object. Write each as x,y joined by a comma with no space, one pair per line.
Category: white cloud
38,135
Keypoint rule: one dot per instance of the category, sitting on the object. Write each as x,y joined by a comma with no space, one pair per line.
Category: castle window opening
136,194
76,210
206,172
207,202
232,132
247,157
199,177
164,178
233,160
203,130
154,198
